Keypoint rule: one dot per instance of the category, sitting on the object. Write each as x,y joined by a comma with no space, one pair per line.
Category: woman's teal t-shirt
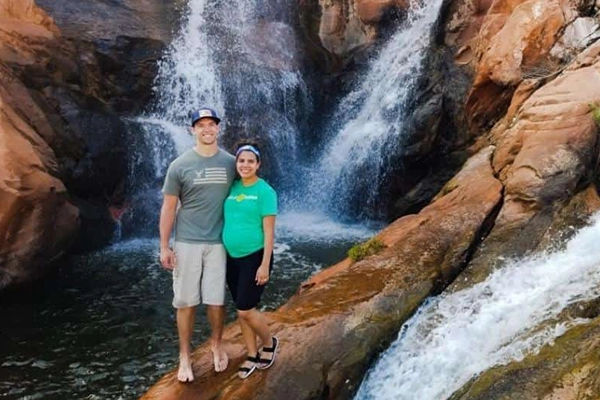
244,210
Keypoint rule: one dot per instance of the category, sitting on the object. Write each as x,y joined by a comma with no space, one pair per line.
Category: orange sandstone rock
36,220
545,150
515,36
370,11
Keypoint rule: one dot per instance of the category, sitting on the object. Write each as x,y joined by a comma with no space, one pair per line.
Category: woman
248,236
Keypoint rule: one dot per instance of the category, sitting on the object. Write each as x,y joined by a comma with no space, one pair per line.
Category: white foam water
318,227
188,77
457,336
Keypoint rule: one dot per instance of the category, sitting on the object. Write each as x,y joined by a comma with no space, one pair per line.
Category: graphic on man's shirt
211,175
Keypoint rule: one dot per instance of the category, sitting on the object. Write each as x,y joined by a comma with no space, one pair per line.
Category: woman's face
247,164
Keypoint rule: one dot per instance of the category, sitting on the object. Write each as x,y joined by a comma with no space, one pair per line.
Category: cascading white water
369,121
188,75
457,336
239,57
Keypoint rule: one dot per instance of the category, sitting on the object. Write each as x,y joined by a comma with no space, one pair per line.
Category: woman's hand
262,275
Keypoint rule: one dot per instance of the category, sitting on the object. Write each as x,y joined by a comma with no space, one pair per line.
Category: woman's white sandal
244,372
264,363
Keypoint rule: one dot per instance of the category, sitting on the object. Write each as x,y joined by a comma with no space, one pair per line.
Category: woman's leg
257,324
248,334
252,322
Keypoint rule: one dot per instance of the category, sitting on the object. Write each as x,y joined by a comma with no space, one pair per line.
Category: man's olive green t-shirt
202,184
245,208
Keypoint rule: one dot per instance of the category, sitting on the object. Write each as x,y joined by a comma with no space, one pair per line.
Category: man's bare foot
220,358
185,373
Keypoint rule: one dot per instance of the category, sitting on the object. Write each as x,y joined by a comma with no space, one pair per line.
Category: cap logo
205,113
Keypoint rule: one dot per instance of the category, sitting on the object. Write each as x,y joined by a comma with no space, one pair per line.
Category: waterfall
368,124
240,57
513,313
188,75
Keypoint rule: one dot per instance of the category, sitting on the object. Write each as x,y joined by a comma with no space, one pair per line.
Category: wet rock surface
104,19
565,370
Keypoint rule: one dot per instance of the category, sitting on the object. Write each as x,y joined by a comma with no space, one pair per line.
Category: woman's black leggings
241,279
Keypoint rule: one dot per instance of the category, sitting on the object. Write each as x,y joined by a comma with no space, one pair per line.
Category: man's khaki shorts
199,273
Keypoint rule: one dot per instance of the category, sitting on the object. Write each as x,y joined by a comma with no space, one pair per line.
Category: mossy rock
595,110
363,250
571,363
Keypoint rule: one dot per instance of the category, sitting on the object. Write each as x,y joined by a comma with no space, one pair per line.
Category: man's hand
262,275
167,258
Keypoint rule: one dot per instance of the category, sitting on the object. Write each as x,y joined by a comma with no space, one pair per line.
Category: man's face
206,131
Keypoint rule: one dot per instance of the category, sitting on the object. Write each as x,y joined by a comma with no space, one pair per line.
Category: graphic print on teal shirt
244,210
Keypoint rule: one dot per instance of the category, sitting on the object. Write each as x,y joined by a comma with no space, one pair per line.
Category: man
200,180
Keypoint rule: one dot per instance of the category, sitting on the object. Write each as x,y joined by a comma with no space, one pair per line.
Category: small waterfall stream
457,336
367,127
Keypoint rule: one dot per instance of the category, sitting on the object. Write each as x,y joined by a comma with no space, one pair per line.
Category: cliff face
525,74
63,141
36,220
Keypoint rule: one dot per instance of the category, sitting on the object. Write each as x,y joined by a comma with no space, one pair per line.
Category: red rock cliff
37,222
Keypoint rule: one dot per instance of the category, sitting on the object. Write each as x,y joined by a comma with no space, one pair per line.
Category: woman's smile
247,164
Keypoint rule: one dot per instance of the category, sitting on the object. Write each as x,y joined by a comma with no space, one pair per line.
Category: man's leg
185,327
186,280
213,295
216,320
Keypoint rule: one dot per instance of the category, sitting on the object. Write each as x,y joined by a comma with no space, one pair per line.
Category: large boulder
334,326
348,24
64,139
546,152
37,223
515,38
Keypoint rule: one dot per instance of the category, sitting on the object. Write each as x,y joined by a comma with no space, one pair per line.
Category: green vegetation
595,110
366,249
